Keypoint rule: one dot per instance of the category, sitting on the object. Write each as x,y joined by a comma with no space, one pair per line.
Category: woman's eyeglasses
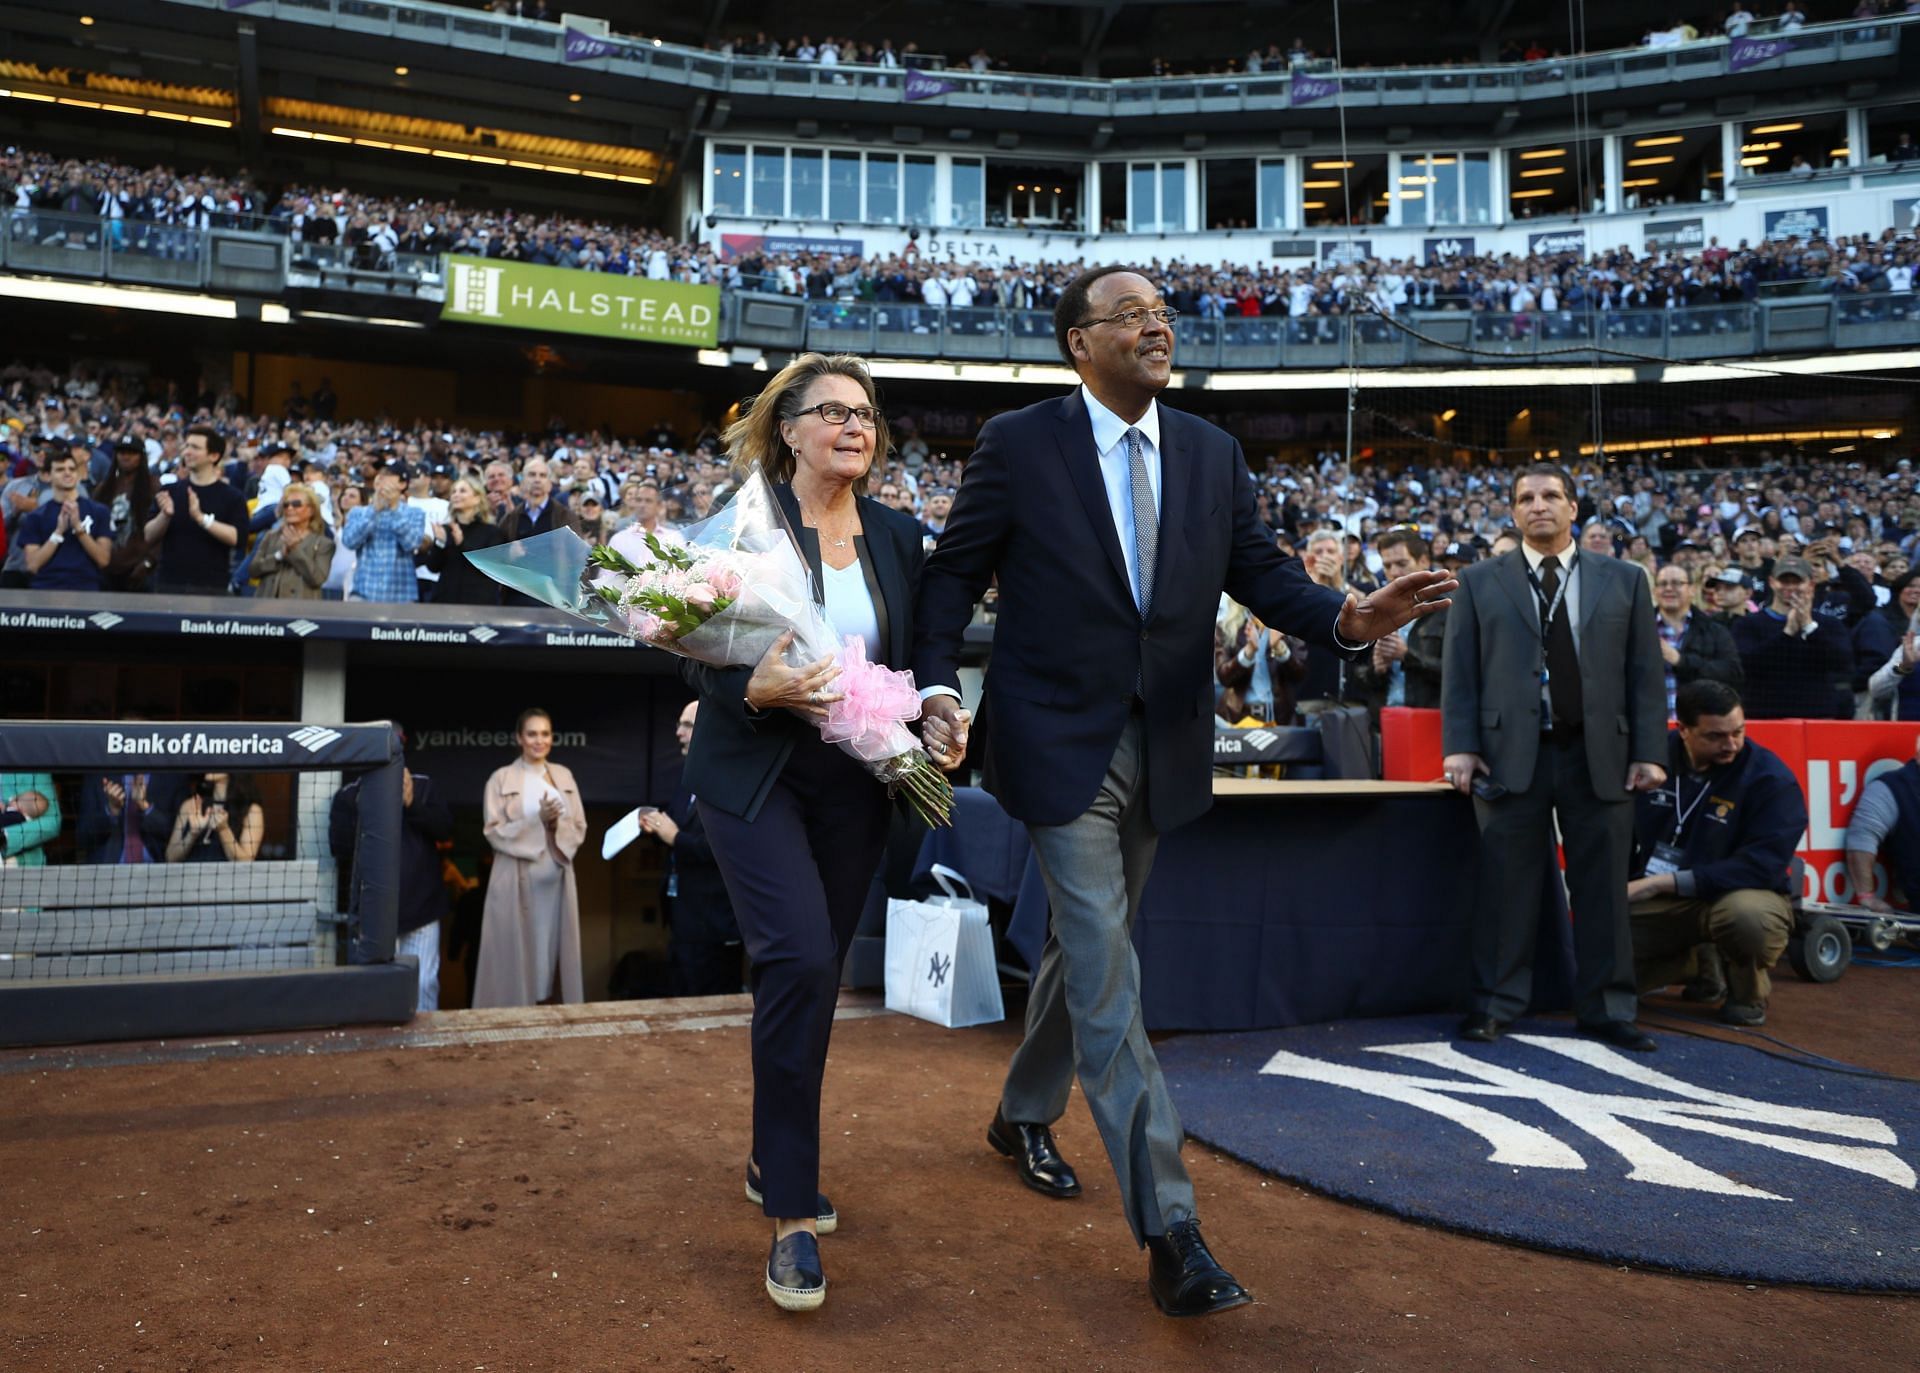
833,412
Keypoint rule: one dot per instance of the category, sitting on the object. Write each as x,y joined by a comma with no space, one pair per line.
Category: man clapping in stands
69,539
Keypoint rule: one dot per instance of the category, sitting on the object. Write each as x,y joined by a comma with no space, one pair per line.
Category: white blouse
850,606
534,788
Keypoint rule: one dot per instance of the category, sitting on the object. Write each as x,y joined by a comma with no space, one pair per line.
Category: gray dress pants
1083,1009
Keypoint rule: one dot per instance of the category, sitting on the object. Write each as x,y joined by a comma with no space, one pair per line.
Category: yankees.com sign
520,296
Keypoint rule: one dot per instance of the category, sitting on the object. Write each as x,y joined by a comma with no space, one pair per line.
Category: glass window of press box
1446,188
1273,193
1229,193
967,193
729,179
1884,129
1675,167
1784,145
1344,190
1025,195
1566,178
1156,200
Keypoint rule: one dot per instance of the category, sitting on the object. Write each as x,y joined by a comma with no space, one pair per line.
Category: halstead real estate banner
522,296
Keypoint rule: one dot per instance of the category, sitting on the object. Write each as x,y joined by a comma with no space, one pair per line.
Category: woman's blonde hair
313,502
753,441
483,510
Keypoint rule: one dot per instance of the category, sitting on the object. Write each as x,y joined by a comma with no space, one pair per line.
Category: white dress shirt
1109,441
1569,574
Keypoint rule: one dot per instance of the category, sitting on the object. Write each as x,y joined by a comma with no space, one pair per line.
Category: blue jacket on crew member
1739,836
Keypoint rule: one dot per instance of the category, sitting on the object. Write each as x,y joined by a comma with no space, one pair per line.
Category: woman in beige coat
292,558
530,935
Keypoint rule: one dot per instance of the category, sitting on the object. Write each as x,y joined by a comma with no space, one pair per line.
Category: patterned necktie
1563,664
1146,523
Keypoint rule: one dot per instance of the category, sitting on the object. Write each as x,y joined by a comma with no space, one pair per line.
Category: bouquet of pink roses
721,591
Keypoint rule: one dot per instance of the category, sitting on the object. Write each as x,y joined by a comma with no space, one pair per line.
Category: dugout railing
112,927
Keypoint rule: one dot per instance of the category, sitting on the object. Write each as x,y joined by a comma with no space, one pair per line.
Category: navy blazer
1069,645
737,754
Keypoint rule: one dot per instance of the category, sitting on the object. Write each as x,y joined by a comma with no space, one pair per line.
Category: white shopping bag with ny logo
940,963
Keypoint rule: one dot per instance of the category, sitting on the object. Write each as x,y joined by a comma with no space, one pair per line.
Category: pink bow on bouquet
875,701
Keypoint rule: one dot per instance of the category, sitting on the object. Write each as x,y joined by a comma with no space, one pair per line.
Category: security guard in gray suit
1553,706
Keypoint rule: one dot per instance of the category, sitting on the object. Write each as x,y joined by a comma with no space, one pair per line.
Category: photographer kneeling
1713,848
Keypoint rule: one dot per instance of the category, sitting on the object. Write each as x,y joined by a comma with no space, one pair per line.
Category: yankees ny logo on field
1470,1100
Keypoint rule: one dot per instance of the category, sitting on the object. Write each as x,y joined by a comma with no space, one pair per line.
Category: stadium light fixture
109,107
401,71
1534,154
1418,180
122,297
1446,416
1525,413
1665,140
1794,127
1413,195
1662,160
1772,147
1841,152
1329,166
573,97
1759,161
1545,171
1530,195
86,21
1640,181
460,155
1320,185
1313,204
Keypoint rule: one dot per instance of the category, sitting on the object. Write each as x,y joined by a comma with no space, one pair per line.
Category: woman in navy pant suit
797,826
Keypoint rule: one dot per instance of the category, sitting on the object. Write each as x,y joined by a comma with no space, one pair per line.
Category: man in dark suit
536,511
1111,550
1551,687
706,939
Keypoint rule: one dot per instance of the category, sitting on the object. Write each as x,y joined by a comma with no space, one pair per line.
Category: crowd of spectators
143,207
1787,576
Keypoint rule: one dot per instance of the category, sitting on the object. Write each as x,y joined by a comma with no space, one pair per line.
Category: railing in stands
54,243
475,30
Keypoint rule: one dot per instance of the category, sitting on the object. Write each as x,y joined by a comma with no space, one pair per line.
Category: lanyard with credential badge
1680,817
1549,610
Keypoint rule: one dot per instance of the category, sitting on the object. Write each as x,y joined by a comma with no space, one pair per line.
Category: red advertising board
1834,760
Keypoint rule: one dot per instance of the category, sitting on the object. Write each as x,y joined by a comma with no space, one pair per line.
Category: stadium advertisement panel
1447,246
271,619
1554,242
522,296
734,247
1676,233
1807,222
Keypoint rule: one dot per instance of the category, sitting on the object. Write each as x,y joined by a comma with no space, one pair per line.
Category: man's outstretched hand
1366,618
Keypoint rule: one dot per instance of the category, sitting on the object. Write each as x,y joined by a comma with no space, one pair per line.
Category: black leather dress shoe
1033,1152
795,1279
1622,1034
1482,1029
825,1218
1185,1278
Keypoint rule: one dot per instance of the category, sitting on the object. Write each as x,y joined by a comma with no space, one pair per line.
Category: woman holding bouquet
796,825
